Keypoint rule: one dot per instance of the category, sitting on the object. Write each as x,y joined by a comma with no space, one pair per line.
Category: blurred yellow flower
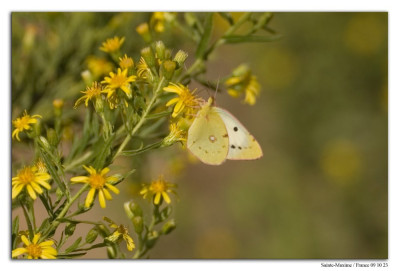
30,178
365,33
186,102
112,45
341,160
244,82
125,62
23,123
120,233
98,182
143,71
99,66
157,189
175,135
41,166
158,19
35,250
119,80
91,92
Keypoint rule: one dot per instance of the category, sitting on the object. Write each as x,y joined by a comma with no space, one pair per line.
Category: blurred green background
321,189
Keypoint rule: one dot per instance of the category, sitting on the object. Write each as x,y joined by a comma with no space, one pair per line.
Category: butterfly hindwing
207,137
242,145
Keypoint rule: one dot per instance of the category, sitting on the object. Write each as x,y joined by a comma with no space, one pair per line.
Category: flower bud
87,77
132,209
58,105
168,69
143,30
69,229
148,56
111,252
138,224
91,236
52,137
160,50
99,105
45,143
168,227
166,212
152,238
180,57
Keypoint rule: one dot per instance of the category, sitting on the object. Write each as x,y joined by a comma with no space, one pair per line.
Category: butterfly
216,135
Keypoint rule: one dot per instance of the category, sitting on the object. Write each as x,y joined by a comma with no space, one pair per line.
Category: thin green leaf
74,245
158,115
142,150
69,256
104,150
208,25
227,16
241,39
15,230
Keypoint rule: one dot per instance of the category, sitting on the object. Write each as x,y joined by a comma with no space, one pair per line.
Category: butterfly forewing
207,137
242,145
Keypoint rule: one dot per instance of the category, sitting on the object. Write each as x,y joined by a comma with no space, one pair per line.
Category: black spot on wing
235,129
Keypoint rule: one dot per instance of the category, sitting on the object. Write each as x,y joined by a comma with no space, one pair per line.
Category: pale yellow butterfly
216,135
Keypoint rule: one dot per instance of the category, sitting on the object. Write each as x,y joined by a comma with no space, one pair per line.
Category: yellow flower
35,250
121,232
99,66
158,188
98,182
143,71
244,82
125,62
158,19
41,166
23,123
91,92
119,80
30,178
186,102
176,134
112,45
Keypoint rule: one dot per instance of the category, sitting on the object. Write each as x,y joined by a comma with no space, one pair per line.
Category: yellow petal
31,192
172,101
36,238
37,188
44,184
102,200
16,190
106,194
46,243
157,198
89,197
104,171
166,197
79,179
25,240
112,188
18,251
129,242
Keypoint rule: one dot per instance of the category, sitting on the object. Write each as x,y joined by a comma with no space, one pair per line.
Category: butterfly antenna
216,90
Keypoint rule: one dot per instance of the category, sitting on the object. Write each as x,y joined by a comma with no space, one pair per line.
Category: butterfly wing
207,137
242,145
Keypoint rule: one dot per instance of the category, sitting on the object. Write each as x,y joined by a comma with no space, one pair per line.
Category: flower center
20,123
34,250
26,175
118,80
97,181
158,186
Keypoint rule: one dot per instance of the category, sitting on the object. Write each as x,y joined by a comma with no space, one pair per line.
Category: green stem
141,121
199,62
55,223
28,221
